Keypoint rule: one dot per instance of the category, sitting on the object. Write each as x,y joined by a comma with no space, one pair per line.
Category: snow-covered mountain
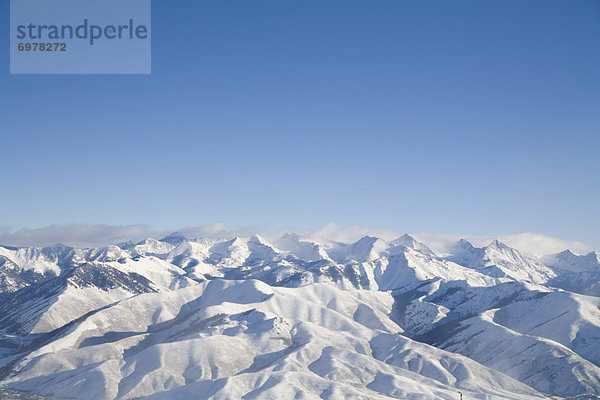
182,318
580,274
499,260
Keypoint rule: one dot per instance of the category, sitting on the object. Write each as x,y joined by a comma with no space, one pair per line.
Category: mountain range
244,318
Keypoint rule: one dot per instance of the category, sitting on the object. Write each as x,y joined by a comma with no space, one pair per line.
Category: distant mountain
500,261
249,318
580,274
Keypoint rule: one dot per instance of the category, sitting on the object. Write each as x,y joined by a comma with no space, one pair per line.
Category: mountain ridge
110,319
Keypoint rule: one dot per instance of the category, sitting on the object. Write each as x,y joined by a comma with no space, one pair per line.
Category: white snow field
243,318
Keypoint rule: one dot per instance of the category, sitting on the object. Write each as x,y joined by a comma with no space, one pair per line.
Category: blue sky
474,117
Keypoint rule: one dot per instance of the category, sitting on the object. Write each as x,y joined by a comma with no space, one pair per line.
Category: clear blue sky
478,117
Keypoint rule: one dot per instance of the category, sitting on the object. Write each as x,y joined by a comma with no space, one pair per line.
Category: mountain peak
566,261
408,241
290,236
174,238
57,246
367,239
127,245
593,257
406,238
463,244
565,253
498,245
256,238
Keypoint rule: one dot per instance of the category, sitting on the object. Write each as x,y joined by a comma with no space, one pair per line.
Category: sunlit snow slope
244,318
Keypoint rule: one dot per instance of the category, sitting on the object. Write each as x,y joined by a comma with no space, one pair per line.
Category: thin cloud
220,231
532,244
75,235
347,234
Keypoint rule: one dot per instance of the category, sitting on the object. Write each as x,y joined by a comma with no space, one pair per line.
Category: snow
298,318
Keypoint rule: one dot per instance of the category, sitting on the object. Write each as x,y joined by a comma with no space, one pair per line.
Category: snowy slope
233,338
295,317
576,273
544,338
499,260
